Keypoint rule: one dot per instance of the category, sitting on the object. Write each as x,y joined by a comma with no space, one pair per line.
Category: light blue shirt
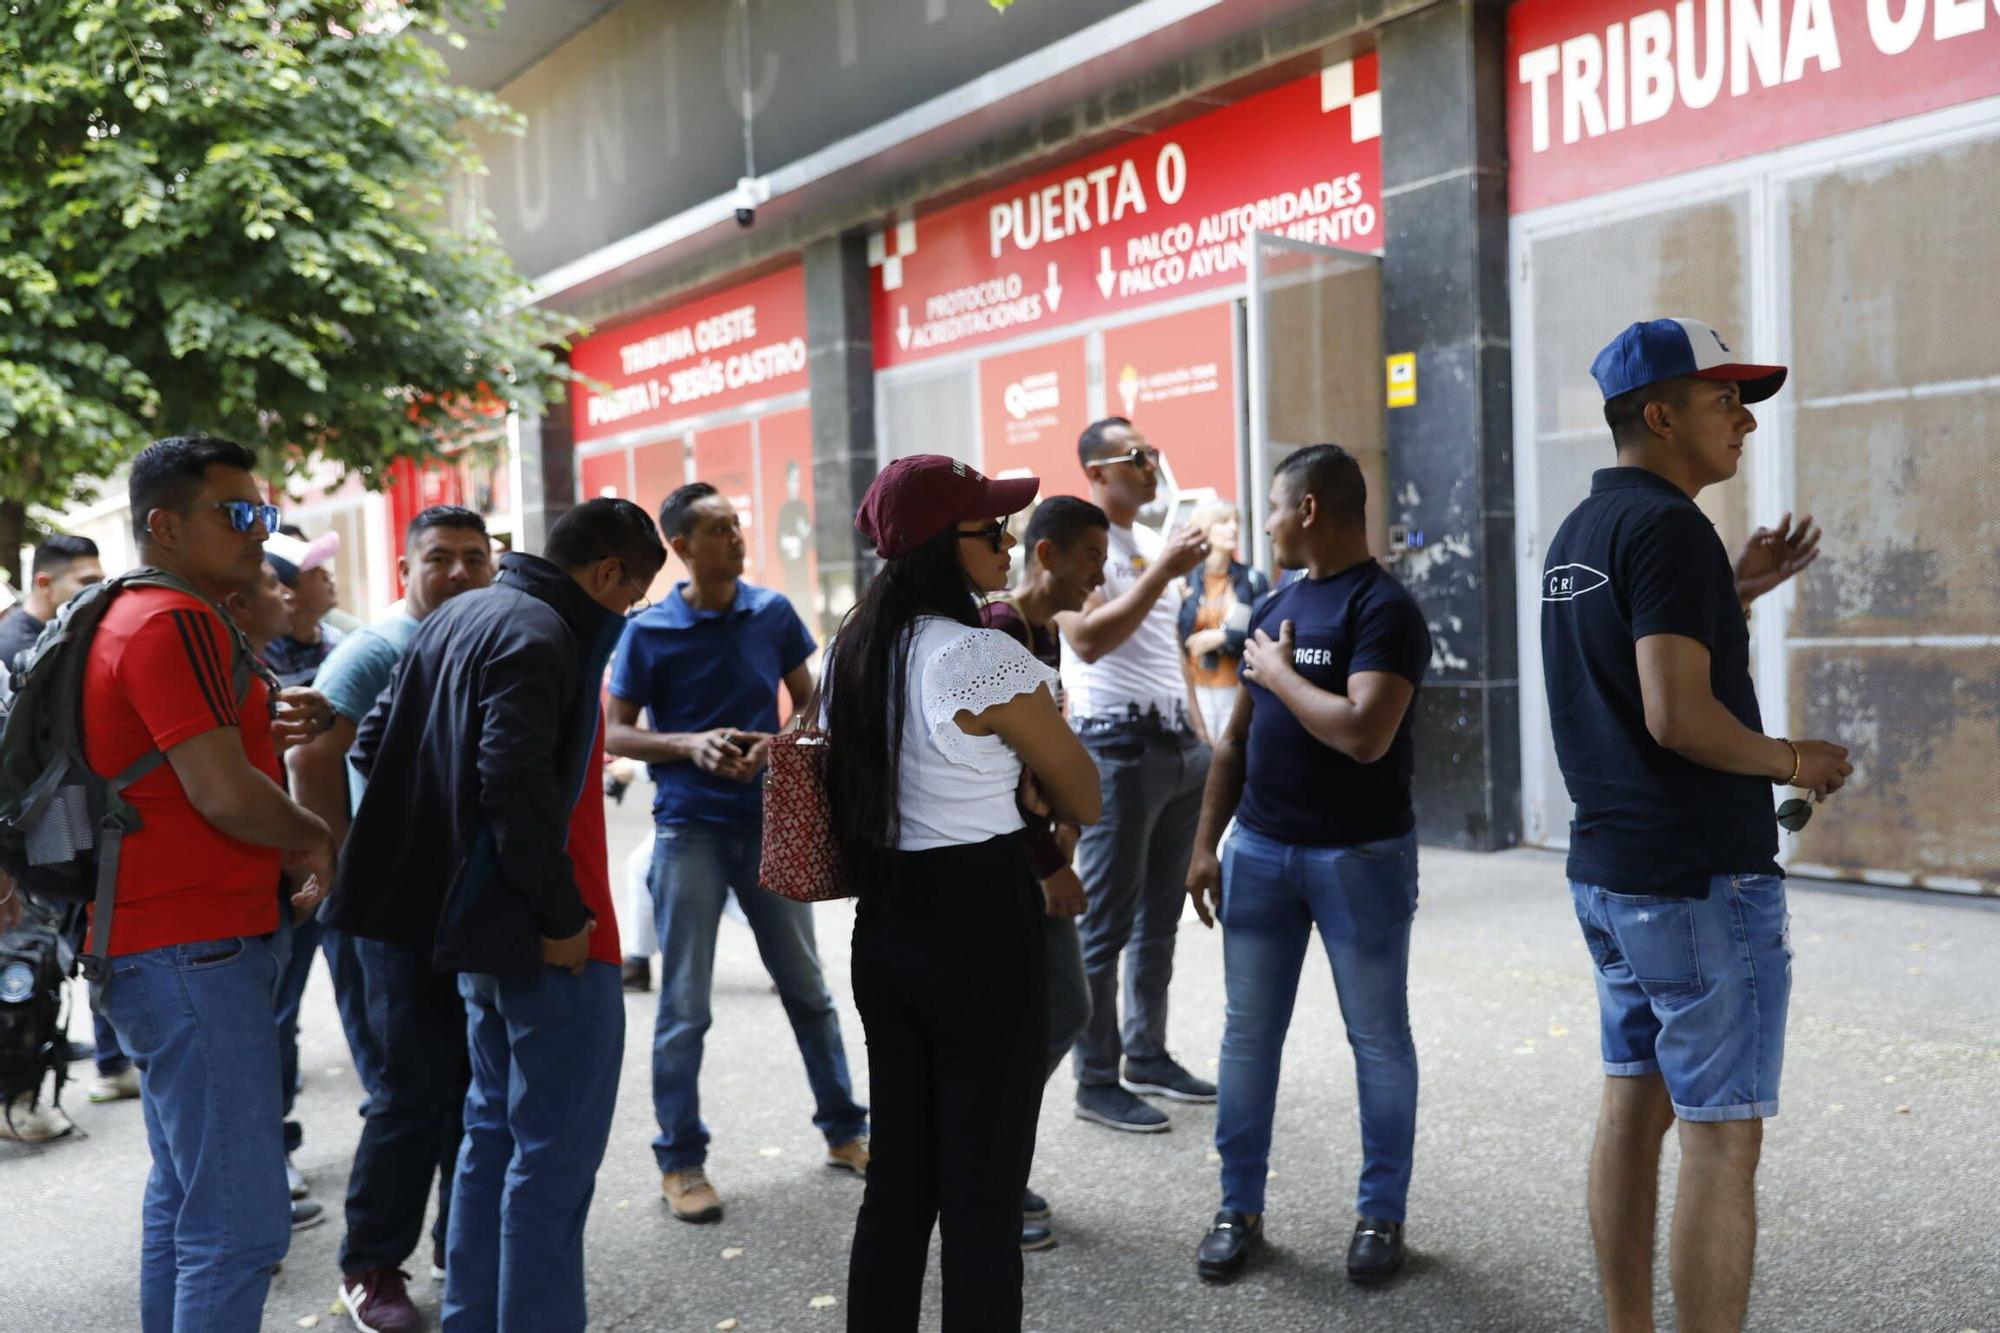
353,677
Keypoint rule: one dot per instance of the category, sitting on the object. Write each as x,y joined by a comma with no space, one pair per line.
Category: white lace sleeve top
957,788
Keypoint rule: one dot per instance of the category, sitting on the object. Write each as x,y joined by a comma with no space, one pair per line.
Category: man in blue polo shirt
705,664
1315,765
1673,853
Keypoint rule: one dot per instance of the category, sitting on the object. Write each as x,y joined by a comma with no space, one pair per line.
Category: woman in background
1215,614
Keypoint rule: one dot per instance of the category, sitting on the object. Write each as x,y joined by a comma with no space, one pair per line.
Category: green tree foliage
232,216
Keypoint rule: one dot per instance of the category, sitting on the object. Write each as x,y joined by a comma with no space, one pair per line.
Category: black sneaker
1116,1108
1376,1251
1036,1236
306,1213
636,975
1034,1208
1226,1248
1165,1078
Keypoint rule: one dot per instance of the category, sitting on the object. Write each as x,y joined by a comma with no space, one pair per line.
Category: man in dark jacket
478,848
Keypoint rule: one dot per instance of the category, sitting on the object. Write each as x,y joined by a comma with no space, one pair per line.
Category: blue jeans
694,867
110,1060
1069,988
1133,863
350,999
196,1020
1694,989
1362,898
545,1056
293,945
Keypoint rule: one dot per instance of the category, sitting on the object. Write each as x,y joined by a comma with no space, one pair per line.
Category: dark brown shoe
377,1301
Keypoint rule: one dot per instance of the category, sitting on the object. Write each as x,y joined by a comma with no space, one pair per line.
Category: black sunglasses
1794,815
994,532
1139,455
245,515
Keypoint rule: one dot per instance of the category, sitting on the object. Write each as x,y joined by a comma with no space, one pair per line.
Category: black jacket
475,758
1251,587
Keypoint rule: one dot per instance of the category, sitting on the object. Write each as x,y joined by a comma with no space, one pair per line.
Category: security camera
750,192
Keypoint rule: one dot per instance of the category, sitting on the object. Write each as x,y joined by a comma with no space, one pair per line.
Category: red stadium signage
731,348
1156,217
1608,93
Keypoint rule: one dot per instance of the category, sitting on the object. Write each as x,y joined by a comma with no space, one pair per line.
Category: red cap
914,499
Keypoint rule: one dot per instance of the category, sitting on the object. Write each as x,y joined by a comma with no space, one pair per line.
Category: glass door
1314,371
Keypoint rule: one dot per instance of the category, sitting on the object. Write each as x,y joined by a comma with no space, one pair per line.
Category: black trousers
951,981
416,1114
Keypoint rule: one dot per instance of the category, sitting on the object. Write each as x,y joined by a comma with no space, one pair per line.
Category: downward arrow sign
903,326
1105,276
1053,291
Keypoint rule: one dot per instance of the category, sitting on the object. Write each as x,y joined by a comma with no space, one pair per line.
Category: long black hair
870,692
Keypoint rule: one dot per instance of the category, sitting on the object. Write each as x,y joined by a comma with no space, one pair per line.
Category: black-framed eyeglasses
1794,814
245,515
994,532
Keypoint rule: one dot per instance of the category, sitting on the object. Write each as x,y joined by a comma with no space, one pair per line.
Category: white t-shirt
1144,672
954,788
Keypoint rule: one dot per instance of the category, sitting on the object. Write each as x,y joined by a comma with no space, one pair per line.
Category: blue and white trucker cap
1665,349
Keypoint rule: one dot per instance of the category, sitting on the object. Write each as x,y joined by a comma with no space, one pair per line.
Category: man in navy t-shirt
1315,765
705,664
1673,853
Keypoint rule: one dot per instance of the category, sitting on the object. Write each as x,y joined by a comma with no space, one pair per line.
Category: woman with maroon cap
940,729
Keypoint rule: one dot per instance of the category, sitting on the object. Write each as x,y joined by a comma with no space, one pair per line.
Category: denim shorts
1696,990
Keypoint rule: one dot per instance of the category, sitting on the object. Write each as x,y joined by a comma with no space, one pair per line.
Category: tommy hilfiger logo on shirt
1566,583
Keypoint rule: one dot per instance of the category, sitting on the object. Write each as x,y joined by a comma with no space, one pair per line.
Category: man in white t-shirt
1131,699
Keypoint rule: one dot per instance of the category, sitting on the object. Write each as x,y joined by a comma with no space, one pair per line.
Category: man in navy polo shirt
1673,853
1315,764
705,664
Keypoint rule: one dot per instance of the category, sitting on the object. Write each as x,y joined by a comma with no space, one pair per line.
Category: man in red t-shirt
191,969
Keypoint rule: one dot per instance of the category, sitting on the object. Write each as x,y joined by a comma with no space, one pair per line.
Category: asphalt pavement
1880,1193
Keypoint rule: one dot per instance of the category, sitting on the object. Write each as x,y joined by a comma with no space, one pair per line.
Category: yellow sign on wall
1403,379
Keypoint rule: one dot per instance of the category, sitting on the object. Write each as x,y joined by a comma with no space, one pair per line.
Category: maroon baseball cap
914,499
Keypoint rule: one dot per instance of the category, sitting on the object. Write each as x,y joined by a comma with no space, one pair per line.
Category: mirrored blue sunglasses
243,515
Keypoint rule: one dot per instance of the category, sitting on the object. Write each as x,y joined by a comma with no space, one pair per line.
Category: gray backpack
61,825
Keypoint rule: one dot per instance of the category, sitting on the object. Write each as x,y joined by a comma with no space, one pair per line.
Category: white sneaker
122,1086
33,1124
295,1180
